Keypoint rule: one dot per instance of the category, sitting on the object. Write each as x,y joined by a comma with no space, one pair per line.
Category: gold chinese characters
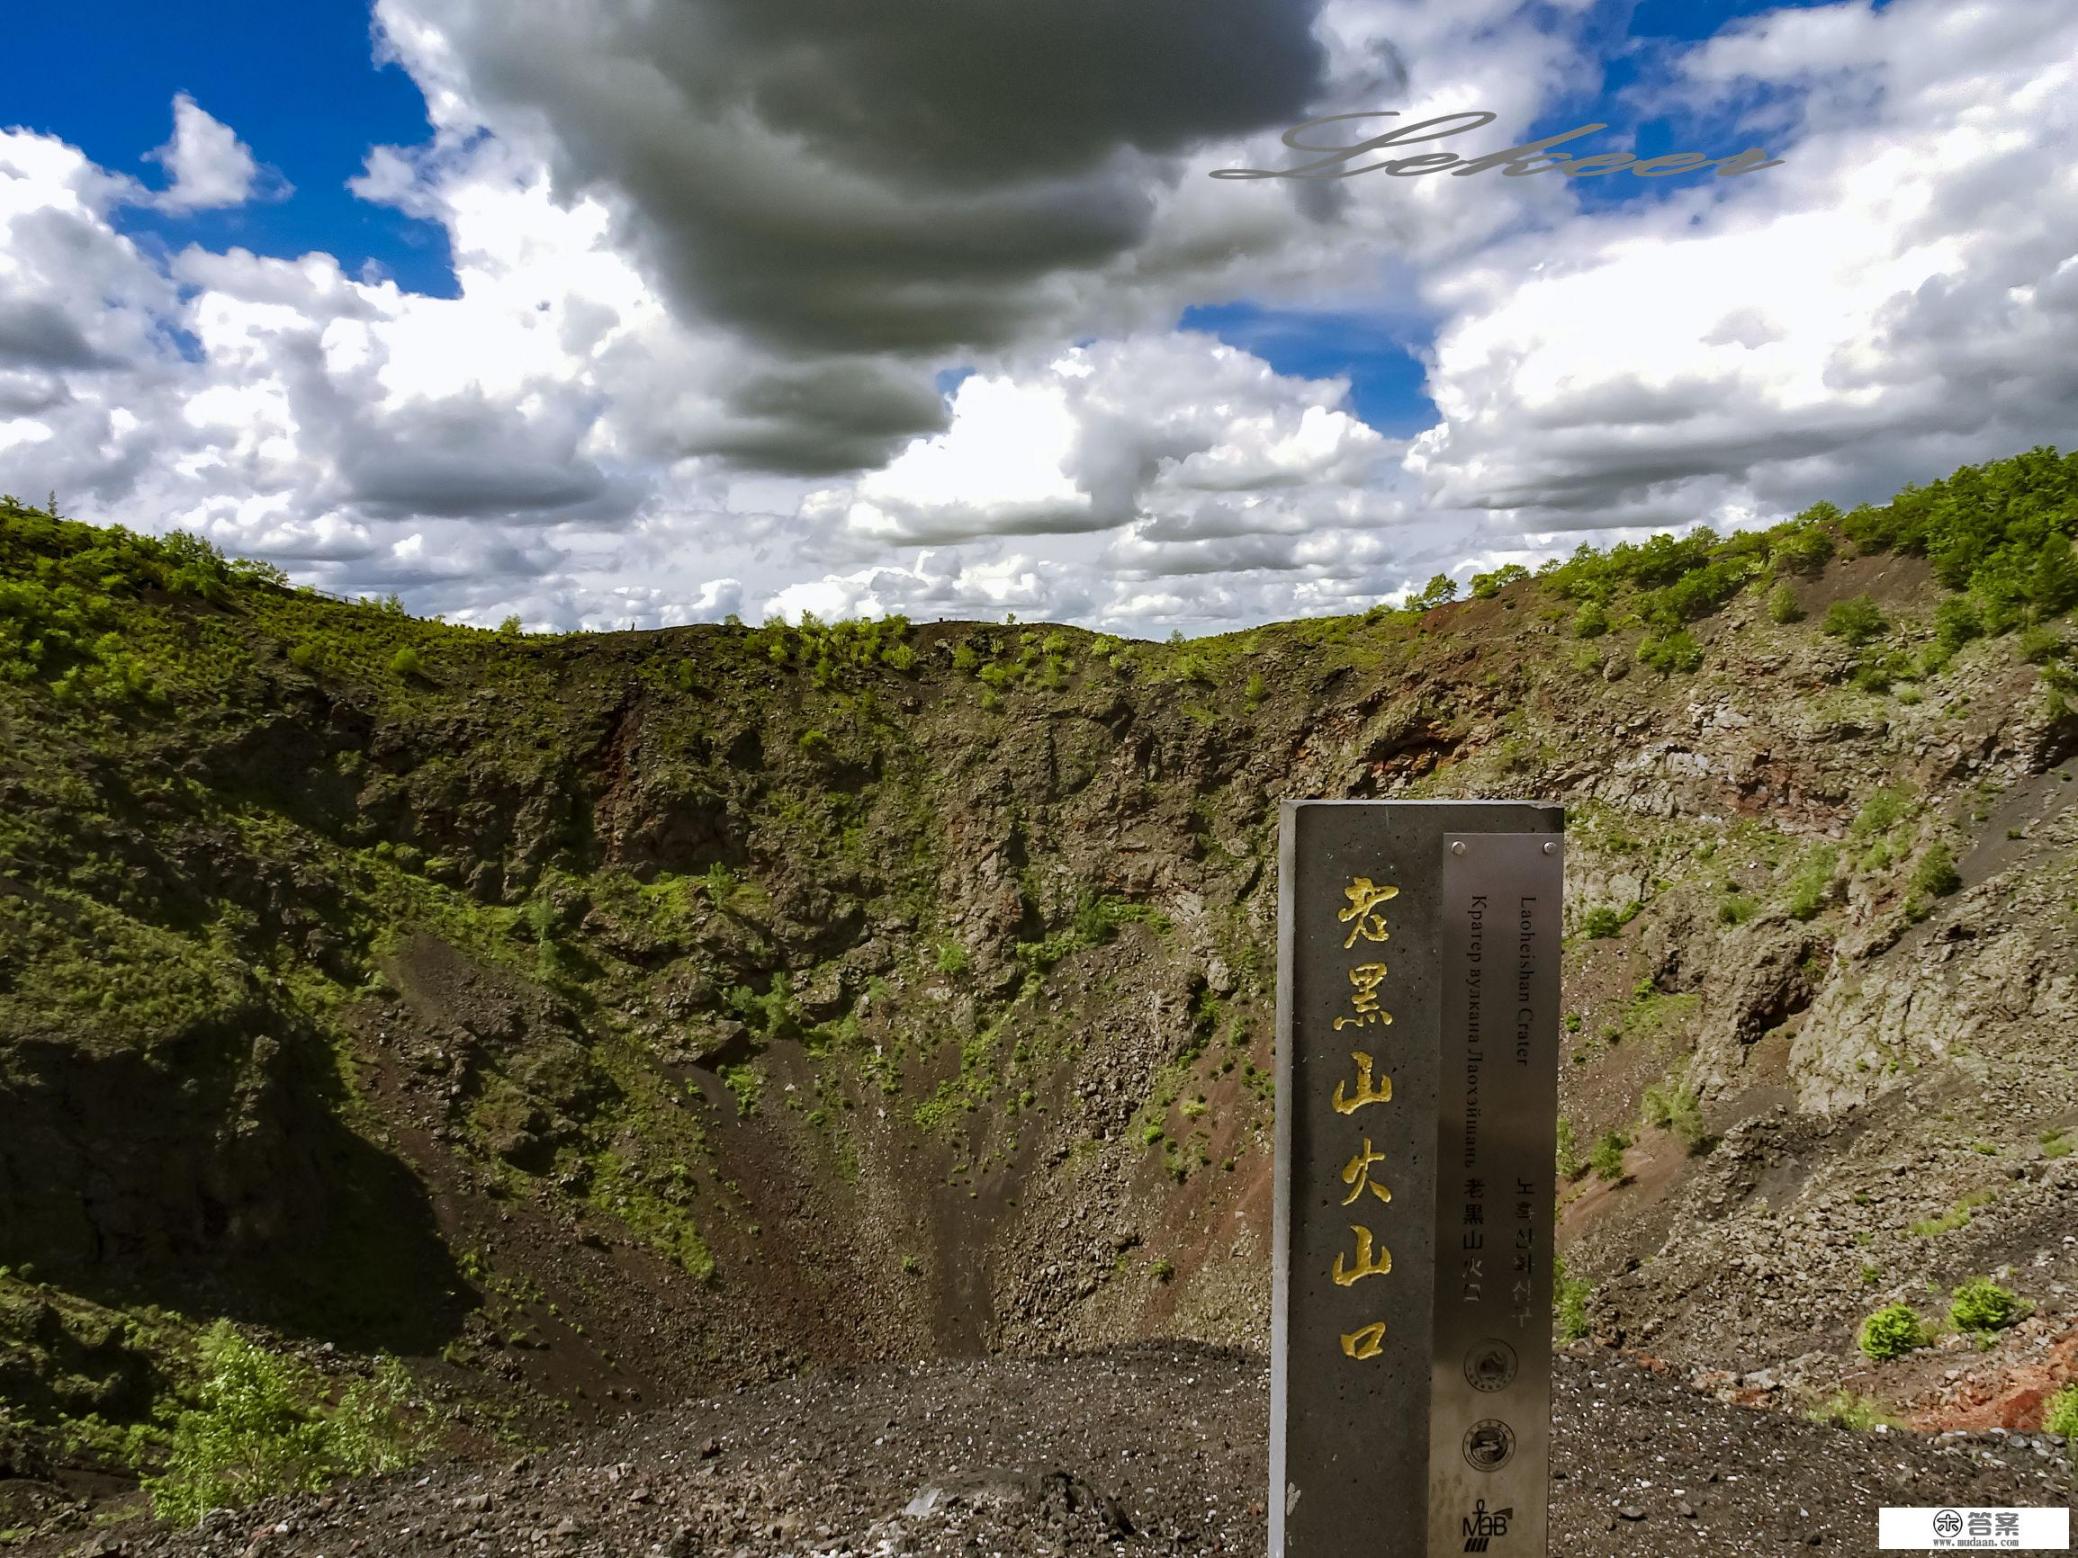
1361,913
1372,1259
1365,1092
1367,977
1364,898
1365,1341
1356,1174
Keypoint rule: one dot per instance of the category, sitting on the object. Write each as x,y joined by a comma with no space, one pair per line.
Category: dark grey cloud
36,334
970,94
26,393
832,179
823,417
393,472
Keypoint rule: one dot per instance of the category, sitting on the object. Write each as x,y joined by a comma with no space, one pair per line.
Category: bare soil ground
1152,1448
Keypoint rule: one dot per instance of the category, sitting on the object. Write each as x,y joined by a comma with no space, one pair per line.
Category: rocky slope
617,1018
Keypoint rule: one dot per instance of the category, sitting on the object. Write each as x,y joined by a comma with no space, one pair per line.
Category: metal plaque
1496,1142
1410,1415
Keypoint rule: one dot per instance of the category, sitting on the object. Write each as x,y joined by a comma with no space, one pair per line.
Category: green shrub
1875,672
254,570
1855,619
1782,605
1485,586
1674,1106
1439,591
197,568
2060,1416
1673,652
406,663
1883,810
1604,921
1813,884
2038,643
2052,581
1998,531
510,627
952,957
1935,876
1980,1304
1807,548
1956,622
1590,621
1697,593
1607,1157
1891,1332
260,1429
1570,1164
1569,1296
745,1084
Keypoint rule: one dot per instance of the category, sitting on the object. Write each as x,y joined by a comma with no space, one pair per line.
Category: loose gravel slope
1144,1449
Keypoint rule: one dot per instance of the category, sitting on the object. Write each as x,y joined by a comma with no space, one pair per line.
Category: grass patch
1845,1409
1957,1216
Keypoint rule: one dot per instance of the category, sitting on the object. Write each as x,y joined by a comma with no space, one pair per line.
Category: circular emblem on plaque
1488,1444
1948,1523
1490,1366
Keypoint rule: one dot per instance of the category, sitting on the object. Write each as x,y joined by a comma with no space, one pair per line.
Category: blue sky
300,84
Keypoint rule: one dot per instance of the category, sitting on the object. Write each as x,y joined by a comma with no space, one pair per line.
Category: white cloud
939,584
1175,427
1885,305
625,417
210,167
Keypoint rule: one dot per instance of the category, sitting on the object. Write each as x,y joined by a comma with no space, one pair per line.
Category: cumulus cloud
74,293
853,195
711,260
1886,304
1177,429
209,166
938,584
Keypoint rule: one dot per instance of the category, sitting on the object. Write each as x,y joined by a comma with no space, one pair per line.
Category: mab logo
1482,1526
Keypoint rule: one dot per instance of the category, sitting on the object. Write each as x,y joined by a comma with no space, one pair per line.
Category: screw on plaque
1457,847
1551,849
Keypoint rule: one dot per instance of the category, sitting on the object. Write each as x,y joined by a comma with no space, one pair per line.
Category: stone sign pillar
1417,1115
